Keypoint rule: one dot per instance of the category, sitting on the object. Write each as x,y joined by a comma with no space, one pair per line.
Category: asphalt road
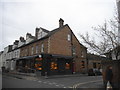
67,82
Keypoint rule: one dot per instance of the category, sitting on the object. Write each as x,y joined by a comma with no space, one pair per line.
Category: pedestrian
109,76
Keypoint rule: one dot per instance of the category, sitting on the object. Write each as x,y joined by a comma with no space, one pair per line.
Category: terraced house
52,52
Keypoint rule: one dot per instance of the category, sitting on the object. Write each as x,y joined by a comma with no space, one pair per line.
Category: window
36,49
94,65
67,66
25,52
74,51
32,50
68,37
83,64
42,48
82,54
53,65
38,64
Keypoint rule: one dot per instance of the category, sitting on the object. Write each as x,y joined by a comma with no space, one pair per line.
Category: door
61,66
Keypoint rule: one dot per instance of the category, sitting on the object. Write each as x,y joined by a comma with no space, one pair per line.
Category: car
97,72
91,72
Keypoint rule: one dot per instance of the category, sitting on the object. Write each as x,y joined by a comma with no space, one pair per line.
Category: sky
17,17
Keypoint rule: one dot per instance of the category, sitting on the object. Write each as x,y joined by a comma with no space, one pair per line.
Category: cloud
22,16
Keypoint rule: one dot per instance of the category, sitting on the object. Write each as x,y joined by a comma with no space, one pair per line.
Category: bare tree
107,35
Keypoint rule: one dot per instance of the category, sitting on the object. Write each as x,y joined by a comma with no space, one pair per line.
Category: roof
50,33
95,57
45,30
47,36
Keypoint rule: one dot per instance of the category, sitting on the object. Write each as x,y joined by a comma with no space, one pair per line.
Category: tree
107,38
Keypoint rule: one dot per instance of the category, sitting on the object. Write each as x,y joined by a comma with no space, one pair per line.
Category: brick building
94,61
60,46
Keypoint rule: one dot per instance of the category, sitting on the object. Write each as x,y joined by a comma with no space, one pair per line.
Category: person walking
109,76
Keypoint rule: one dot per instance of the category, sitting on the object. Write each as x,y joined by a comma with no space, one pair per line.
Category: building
55,52
94,61
1,58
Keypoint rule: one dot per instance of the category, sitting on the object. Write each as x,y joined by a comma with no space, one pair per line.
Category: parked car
97,72
91,72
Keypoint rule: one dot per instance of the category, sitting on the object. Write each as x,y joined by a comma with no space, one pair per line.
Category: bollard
109,87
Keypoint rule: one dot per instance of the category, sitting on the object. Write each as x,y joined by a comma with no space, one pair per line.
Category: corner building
53,52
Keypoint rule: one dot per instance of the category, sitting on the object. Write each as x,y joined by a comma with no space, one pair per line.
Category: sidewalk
33,76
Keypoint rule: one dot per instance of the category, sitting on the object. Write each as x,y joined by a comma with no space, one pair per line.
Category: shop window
54,66
38,64
67,66
83,64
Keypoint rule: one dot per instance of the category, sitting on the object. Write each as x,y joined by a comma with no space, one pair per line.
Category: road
67,82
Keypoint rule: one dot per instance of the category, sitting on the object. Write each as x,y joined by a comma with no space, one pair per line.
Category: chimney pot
61,22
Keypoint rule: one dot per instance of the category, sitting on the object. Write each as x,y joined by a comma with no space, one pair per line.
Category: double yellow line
78,84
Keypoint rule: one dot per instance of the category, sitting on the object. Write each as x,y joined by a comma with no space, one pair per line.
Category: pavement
34,76
74,81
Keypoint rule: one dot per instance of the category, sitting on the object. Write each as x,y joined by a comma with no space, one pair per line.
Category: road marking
44,82
64,87
76,85
39,81
54,83
57,85
50,83
70,87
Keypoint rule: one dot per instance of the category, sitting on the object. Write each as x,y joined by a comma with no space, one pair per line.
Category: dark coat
109,75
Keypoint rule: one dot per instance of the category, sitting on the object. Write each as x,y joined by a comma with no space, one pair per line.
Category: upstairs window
83,64
68,37
32,50
36,49
42,48
82,54
74,51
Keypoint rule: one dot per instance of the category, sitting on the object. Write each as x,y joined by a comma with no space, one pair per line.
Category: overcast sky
21,16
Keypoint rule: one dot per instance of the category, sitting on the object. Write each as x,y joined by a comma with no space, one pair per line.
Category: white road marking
57,85
76,85
64,87
39,81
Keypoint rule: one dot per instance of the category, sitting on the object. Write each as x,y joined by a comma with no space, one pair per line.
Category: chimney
36,32
16,42
61,22
22,39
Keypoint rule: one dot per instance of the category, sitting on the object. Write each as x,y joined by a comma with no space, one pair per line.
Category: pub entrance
61,66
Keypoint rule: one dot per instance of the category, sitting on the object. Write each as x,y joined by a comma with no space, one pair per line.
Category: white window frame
68,37
36,49
42,47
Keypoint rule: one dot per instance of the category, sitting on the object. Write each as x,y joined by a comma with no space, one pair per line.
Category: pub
46,64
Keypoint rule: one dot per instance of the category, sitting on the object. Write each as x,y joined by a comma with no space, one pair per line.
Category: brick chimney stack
22,39
36,32
61,22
